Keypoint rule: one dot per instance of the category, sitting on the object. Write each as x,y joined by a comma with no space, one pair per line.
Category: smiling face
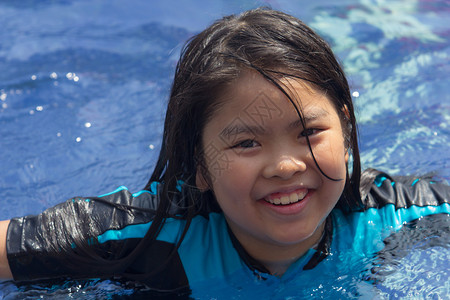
263,174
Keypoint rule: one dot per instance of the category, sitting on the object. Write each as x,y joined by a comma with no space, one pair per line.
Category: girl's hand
5,272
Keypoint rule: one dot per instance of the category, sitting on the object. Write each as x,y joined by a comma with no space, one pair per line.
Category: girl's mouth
286,198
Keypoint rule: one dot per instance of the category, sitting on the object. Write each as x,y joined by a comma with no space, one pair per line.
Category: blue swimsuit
85,237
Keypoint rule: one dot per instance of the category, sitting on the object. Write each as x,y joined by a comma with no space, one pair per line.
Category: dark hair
270,42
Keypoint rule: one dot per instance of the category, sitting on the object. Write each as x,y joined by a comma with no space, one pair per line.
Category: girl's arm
5,272
80,238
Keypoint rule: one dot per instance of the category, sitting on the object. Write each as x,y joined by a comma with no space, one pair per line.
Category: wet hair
272,43
277,46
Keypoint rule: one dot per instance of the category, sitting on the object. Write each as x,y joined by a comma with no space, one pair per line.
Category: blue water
84,84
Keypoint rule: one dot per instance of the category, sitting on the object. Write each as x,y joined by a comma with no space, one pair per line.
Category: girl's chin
297,236
292,238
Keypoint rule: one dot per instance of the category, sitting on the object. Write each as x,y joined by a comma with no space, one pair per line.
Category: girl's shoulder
389,203
379,189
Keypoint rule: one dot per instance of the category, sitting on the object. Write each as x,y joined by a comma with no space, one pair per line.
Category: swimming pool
84,85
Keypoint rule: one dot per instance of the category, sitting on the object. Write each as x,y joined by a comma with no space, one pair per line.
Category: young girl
252,185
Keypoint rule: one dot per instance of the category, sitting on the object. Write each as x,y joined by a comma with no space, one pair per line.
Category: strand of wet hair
274,82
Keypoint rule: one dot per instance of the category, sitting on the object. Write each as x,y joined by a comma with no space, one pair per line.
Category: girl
252,183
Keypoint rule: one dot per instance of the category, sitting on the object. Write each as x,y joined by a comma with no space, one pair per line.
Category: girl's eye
246,144
309,132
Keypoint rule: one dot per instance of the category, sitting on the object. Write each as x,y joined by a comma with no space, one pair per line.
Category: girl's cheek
224,164
330,156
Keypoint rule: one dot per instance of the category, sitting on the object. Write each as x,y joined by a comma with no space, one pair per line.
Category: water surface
84,85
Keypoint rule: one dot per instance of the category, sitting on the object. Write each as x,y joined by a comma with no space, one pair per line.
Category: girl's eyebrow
236,128
309,116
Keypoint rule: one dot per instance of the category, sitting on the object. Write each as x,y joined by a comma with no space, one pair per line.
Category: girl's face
261,170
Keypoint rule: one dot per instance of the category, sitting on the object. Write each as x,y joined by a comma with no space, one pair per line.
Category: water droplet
31,112
151,146
355,94
76,78
58,134
87,125
78,139
33,77
39,108
53,75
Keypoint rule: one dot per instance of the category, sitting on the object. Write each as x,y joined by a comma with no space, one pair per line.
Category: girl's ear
346,155
200,181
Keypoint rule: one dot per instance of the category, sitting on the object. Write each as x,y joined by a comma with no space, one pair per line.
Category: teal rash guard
92,238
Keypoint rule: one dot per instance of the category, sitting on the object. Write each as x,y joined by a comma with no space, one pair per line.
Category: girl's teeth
284,200
293,198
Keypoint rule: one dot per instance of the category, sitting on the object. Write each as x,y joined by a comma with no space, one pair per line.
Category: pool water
84,85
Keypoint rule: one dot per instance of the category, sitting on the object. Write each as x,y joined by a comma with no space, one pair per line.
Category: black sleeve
404,192
62,241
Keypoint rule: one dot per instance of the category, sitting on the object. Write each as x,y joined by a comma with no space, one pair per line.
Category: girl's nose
284,167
